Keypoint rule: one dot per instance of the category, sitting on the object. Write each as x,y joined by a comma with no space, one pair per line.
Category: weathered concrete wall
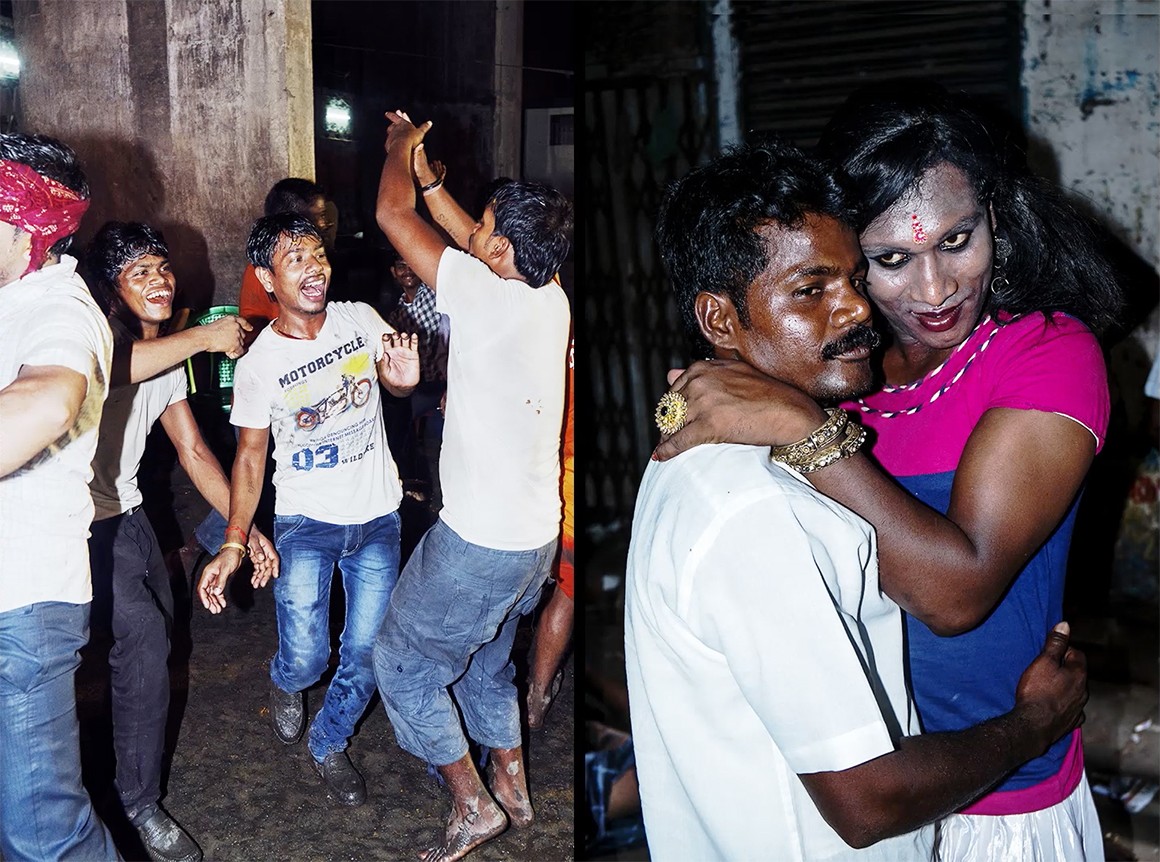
183,112
509,77
1092,78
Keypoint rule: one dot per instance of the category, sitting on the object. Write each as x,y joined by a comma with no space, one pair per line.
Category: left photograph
286,360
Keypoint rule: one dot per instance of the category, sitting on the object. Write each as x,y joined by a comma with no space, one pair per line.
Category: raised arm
446,212
245,489
141,359
1019,474
41,404
206,473
395,207
932,775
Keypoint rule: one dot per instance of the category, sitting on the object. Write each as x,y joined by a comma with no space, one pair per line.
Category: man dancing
55,356
135,286
311,378
453,616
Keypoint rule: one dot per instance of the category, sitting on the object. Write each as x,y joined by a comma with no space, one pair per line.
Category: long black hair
1048,255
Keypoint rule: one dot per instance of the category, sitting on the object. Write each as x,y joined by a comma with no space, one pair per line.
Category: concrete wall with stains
183,113
1091,73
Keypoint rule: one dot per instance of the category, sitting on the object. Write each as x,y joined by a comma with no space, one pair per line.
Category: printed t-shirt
320,398
921,430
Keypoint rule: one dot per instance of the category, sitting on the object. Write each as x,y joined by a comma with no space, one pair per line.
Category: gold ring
671,412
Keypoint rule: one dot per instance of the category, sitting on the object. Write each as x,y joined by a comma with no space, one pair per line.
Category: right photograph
869,467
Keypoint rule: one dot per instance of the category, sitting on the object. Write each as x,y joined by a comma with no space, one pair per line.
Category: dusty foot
539,700
505,777
467,830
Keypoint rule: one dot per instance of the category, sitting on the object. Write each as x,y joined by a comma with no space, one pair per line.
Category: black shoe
341,778
287,714
165,841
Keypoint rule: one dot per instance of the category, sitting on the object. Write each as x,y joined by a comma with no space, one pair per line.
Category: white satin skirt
1066,832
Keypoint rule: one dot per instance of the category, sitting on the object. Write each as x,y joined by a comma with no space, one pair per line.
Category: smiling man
769,704
134,285
311,378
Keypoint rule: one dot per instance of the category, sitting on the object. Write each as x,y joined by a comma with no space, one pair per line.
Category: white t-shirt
759,647
49,318
130,412
499,465
320,398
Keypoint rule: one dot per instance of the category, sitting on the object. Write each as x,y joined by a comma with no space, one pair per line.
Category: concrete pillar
507,124
183,113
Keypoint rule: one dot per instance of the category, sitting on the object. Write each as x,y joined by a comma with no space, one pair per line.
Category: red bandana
42,207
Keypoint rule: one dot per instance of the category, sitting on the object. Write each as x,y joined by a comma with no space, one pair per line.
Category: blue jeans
45,812
452,622
129,571
368,558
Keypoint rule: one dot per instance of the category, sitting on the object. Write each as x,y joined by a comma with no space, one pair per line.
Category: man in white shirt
135,286
55,356
769,706
312,379
453,617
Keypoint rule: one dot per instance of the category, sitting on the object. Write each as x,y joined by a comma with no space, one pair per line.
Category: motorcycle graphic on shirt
351,393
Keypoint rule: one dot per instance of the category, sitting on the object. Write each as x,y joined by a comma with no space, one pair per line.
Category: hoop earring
999,283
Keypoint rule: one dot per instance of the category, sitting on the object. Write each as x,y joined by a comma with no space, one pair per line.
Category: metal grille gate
641,134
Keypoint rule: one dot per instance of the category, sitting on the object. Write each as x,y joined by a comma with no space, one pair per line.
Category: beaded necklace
910,411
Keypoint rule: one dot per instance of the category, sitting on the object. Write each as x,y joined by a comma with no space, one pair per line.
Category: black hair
52,159
269,230
885,138
116,245
708,221
537,220
293,195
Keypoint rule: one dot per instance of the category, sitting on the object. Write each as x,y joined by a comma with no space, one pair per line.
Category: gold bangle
237,545
848,441
824,435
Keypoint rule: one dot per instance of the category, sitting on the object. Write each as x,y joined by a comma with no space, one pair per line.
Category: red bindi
916,226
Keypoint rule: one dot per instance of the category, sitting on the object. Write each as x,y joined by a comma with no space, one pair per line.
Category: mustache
860,336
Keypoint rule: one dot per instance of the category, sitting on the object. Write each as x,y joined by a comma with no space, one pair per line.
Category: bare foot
466,830
506,778
539,700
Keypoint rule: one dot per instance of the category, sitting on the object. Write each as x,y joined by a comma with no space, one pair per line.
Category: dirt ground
243,795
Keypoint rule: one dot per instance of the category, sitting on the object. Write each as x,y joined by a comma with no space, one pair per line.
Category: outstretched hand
399,365
1053,689
402,131
730,401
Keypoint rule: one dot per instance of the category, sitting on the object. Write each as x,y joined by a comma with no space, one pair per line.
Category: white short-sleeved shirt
130,412
49,318
759,647
320,398
499,465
